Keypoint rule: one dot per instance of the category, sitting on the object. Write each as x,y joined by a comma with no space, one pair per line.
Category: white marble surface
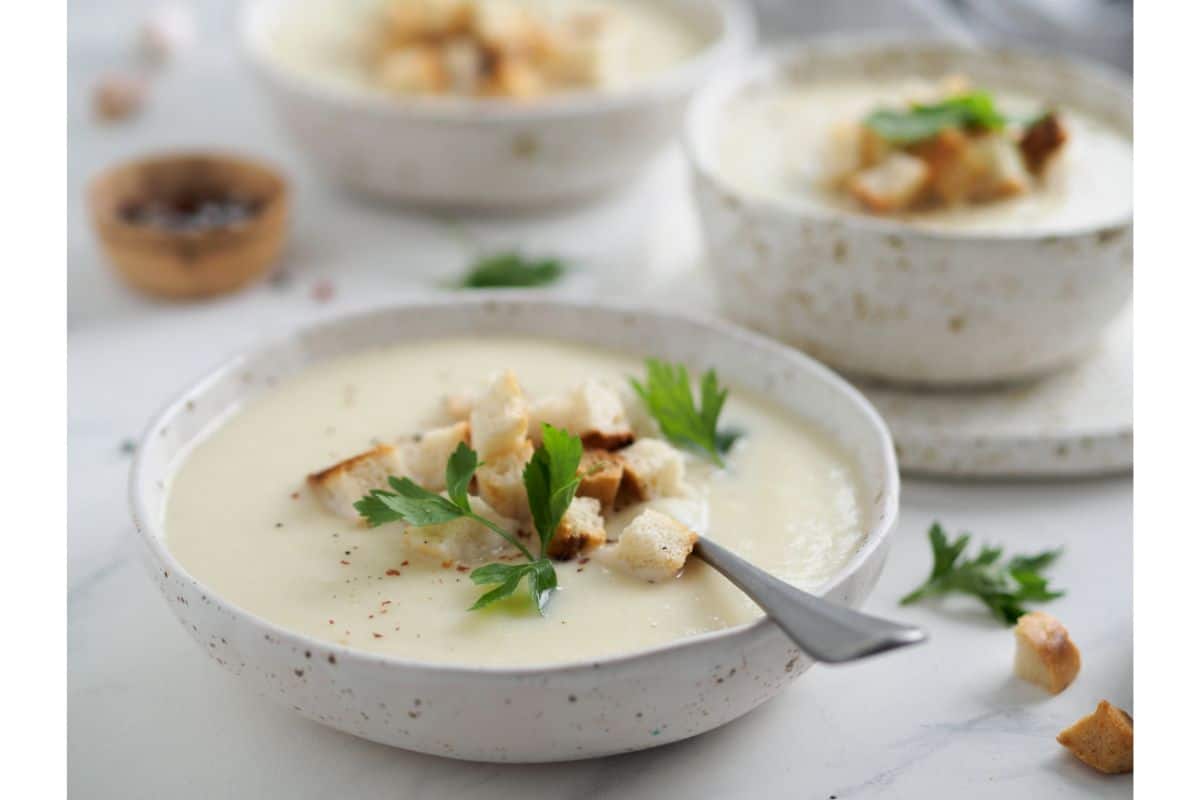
149,716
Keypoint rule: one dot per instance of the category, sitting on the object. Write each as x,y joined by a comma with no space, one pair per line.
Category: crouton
506,28
500,419
427,456
952,177
413,69
1041,141
1045,653
501,482
892,185
652,468
464,540
515,78
339,487
600,474
592,411
1103,740
641,421
464,62
581,530
412,20
842,154
999,171
654,547
457,407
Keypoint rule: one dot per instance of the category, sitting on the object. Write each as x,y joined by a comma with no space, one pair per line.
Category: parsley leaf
551,480
667,394
1001,586
542,582
420,507
511,270
922,121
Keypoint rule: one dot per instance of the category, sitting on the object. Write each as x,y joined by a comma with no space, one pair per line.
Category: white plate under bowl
549,712
1074,423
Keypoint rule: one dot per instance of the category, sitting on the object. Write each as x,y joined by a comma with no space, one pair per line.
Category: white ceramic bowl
483,153
543,713
883,299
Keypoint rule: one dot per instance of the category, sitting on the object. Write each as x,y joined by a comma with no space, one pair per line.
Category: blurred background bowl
882,299
491,154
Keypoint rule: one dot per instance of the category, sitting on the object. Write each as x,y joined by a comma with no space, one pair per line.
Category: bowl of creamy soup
496,104
463,527
919,212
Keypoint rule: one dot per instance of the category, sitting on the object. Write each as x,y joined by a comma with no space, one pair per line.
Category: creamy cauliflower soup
1002,161
268,509
515,49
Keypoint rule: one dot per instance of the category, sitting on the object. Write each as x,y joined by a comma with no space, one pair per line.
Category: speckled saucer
1077,422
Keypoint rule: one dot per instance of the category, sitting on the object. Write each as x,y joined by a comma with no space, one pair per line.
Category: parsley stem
504,534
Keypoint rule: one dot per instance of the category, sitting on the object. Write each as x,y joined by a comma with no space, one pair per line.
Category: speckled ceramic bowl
883,299
493,154
545,713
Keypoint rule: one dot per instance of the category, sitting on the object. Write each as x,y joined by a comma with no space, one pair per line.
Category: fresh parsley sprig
420,507
511,270
667,394
1001,585
550,482
922,121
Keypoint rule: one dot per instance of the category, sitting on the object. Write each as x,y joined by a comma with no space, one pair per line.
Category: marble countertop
149,716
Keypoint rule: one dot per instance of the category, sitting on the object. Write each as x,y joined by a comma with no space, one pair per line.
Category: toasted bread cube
841,154
513,77
410,20
464,62
1045,653
892,185
341,486
427,456
464,540
592,411
600,474
457,407
999,170
505,27
1041,142
581,530
1103,740
952,175
501,482
654,547
652,468
413,69
500,419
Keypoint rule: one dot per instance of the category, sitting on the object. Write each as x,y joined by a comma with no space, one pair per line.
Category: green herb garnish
922,121
550,483
1001,586
420,507
667,394
551,480
511,270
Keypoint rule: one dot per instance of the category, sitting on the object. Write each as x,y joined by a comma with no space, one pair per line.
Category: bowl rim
697,135
738,33
149,527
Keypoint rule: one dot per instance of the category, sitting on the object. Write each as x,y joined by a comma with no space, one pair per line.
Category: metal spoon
825,632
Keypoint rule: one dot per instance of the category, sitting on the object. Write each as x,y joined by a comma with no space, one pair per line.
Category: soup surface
775,138
331,40
240,518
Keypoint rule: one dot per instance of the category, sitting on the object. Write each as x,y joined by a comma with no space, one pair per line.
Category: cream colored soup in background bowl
967,295
493,153
615,665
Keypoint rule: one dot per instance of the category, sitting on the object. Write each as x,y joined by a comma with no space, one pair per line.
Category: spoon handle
826,632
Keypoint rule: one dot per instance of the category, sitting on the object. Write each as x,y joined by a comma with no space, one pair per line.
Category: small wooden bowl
182,263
